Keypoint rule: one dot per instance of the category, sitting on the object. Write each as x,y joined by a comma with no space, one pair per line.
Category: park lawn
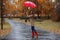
49,25
6,29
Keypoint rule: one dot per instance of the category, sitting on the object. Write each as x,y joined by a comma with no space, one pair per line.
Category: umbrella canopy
29,4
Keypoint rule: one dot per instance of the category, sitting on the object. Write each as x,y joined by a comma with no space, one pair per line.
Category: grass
49,26
6,29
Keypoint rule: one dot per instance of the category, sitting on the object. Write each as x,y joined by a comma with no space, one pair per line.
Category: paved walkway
22,31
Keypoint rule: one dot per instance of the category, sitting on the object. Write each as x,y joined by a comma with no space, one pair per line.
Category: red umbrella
29,4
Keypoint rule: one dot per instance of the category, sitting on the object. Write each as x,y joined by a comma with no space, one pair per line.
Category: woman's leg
32,34
36,33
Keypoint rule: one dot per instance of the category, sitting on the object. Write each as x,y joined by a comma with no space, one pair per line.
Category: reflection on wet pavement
22,31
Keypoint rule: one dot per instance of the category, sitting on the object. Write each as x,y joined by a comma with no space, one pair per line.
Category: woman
34,32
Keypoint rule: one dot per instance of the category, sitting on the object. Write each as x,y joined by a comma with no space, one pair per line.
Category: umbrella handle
29,8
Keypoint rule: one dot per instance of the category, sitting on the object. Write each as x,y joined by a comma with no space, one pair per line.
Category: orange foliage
40,1
42,13
19,14
11,7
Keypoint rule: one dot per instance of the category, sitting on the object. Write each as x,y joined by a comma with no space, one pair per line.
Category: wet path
22,31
